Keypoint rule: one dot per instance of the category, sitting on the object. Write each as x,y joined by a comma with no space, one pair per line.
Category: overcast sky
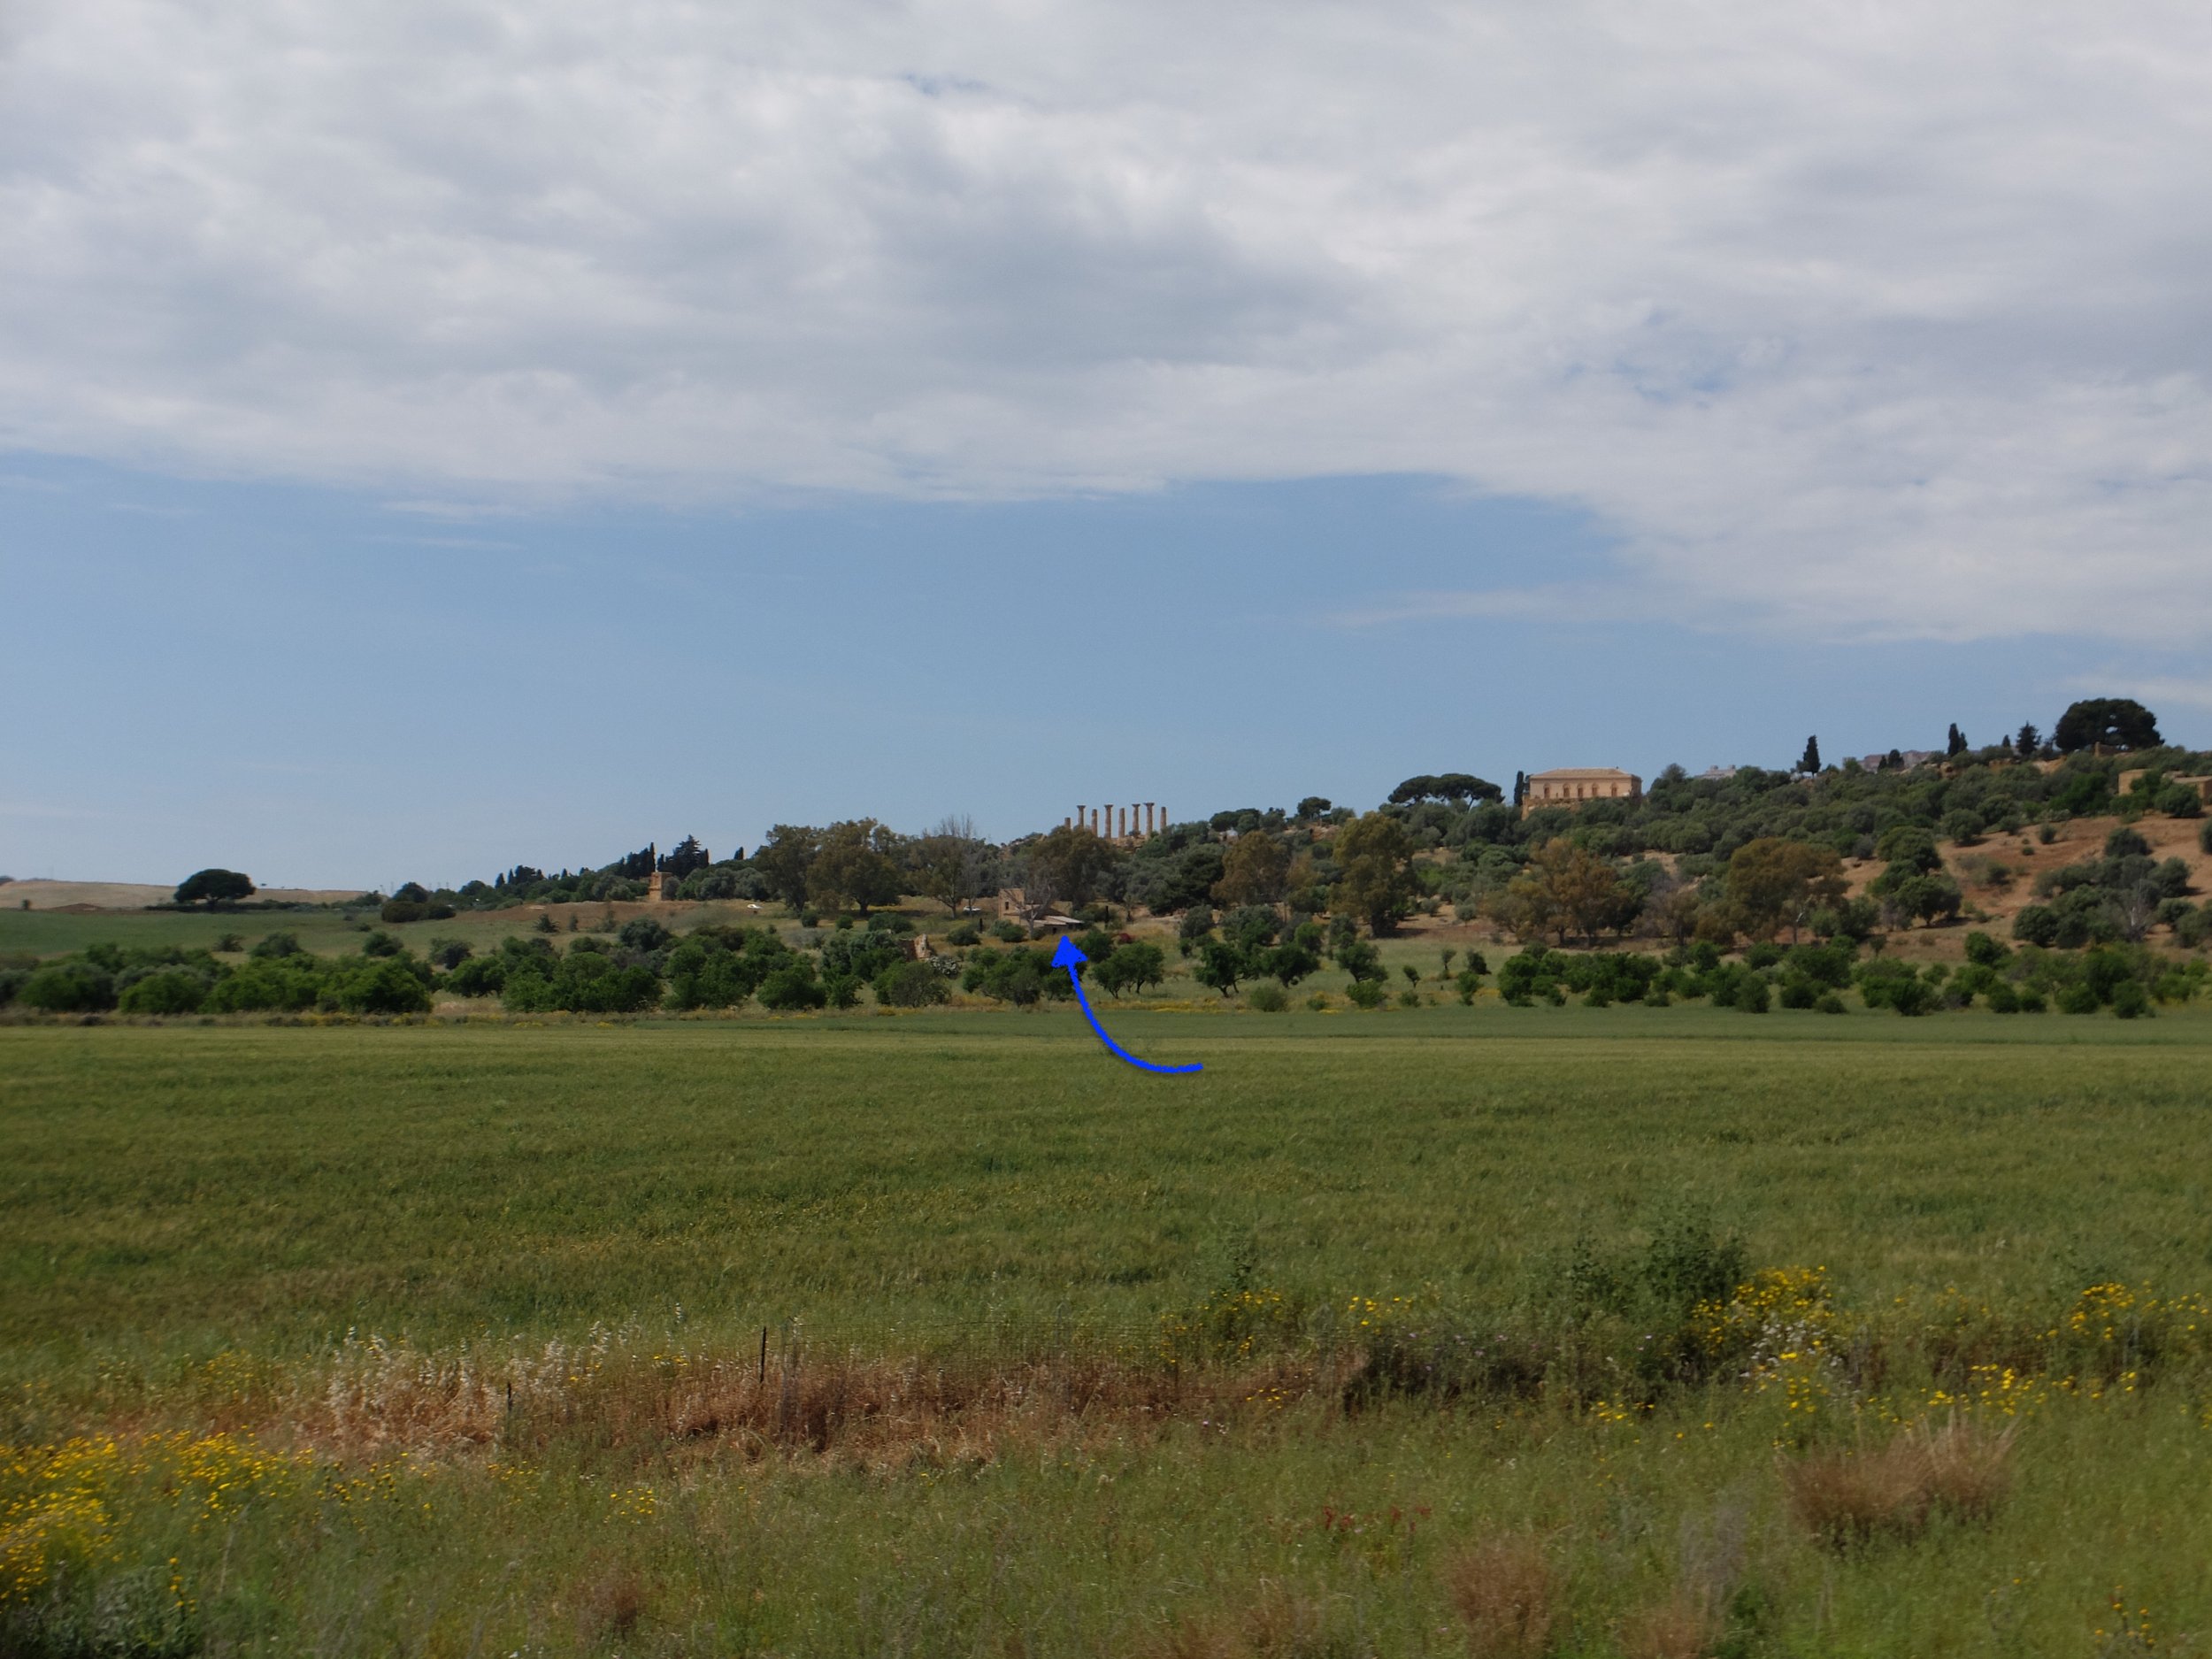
544,429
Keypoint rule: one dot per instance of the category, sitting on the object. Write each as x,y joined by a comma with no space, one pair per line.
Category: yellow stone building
1572,785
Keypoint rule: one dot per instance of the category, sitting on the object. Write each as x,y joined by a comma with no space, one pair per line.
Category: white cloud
2157,692
1852,318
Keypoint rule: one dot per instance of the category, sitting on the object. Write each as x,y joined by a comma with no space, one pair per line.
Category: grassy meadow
1393,1333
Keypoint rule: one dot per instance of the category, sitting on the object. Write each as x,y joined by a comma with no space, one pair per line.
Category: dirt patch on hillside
1998,877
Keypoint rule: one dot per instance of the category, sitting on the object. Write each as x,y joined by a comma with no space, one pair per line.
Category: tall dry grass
1278,1623
1506,1591
379,1401
1852,1498
1685,1626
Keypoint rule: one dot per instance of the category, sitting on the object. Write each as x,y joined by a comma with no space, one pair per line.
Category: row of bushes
278,977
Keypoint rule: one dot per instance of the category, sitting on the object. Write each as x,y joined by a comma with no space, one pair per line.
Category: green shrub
1365,994
1985,951
477,976
1799,992
1829,1003
861,956
68,987
1022,978
1751,995
282,985
402,910
964,936
1963,825
172,991
2078,998
382,984
2130,1001
719,967
643,933
586,980
911,985
1268,997
791,987
2174,987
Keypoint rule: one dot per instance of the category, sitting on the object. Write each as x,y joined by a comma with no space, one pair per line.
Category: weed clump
1848,1500
1505,1590
1278,1624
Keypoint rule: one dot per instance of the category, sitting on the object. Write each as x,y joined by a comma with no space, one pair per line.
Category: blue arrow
1067,956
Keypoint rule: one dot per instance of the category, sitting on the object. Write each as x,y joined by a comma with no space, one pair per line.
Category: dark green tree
1361,960
684,857
1131,967
1809,761
784,859
856,862
2027,742
1072,861
214,886
2110,722
1955,742
1461,787
1374,879
1219,965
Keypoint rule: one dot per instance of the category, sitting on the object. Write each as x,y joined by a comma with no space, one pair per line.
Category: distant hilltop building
1572,785
1906,759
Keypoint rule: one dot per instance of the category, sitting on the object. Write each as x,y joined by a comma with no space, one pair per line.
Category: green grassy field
972,1231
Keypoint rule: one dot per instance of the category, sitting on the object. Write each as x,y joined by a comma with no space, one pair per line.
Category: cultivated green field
1067,1359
